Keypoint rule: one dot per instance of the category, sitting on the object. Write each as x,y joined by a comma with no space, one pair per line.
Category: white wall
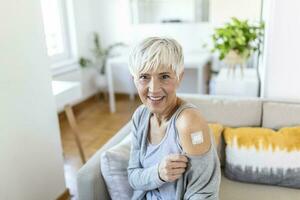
222,10
192,36
111,19
84,26
281,57
30,148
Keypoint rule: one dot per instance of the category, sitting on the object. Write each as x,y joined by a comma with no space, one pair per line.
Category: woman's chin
155,105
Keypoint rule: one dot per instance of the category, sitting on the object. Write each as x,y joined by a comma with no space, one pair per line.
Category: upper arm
190,121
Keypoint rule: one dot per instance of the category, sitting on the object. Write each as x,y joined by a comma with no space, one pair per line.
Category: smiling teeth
155,98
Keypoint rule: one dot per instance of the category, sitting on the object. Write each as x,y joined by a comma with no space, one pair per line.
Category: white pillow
114,163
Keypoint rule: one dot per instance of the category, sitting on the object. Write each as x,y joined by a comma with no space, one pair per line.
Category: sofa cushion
229,111
277,115
114,163
262,155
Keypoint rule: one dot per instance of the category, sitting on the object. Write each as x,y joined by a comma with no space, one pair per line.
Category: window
58,32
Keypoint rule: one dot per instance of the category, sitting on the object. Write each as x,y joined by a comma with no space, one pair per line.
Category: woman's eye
165,76
143,77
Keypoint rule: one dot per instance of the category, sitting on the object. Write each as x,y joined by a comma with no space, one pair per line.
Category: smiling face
157,89
157,67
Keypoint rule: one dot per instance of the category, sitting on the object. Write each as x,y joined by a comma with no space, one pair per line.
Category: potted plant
236,41
99,61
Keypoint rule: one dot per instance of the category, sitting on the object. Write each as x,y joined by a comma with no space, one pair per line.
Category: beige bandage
197,137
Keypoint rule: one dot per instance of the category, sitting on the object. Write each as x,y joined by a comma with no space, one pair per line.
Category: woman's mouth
155,99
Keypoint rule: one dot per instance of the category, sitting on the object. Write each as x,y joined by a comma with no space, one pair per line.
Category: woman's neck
163,118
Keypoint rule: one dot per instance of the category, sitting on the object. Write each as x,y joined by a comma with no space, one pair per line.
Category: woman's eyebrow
163,73
143,74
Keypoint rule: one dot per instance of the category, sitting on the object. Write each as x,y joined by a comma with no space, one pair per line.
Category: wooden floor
97,125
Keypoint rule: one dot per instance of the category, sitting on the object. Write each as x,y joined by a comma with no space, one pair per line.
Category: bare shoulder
193,132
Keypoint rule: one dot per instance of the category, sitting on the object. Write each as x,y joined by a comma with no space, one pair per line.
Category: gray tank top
156,152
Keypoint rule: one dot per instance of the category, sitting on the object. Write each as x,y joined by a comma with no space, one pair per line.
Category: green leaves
237,35
98,51
84,62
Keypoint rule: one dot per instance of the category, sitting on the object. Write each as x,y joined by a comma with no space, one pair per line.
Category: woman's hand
172,167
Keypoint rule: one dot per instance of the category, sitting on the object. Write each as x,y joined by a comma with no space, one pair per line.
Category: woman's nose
154,85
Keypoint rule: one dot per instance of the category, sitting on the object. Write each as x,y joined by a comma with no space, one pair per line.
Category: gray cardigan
200,181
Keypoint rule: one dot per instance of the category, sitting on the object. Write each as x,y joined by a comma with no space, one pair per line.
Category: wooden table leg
75,130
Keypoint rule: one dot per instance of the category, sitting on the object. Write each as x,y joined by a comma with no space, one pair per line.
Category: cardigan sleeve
140,178
203,177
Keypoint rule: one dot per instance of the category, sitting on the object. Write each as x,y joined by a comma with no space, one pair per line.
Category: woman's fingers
177,158
176,161
172,167
175,172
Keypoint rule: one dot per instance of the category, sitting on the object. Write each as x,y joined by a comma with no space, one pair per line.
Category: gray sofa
230,111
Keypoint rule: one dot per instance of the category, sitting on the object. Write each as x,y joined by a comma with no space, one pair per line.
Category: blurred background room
66,87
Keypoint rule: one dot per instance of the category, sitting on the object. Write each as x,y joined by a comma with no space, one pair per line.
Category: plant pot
232,60
100,81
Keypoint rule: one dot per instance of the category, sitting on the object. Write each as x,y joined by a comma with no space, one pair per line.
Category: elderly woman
173,154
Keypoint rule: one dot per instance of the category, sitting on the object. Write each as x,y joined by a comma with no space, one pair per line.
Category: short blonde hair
155,52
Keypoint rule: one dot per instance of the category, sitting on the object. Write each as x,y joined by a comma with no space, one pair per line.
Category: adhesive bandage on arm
197,137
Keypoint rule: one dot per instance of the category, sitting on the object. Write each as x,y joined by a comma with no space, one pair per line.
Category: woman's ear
180,79
180,76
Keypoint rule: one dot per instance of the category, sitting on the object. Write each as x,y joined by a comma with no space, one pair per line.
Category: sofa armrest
90,183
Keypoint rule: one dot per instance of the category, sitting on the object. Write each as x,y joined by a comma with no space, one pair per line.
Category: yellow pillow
291,138
217,130
262,155
287,138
